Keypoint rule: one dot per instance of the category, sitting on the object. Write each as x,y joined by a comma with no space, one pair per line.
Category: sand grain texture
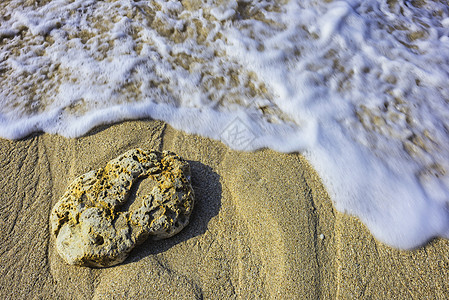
263,228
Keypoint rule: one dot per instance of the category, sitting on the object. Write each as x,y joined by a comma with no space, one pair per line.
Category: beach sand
263,227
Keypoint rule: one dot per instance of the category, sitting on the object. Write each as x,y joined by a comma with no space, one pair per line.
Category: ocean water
361,88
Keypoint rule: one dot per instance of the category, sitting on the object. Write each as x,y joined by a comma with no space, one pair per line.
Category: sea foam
360,87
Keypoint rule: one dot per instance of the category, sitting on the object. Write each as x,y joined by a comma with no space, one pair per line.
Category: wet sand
263,228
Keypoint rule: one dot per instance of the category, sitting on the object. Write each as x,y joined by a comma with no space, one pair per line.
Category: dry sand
256,232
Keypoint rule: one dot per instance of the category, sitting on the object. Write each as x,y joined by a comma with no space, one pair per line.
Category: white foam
360,87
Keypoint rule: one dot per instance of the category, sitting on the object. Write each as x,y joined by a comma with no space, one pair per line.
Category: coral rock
105,213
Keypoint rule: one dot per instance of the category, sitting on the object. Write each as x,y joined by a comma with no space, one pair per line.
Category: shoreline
263,227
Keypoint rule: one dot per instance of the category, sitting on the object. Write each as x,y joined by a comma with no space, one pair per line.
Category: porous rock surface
105,213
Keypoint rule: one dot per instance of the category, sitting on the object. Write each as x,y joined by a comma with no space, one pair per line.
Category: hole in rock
139,190
99,240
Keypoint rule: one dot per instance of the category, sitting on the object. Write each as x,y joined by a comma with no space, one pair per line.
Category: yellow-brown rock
105,213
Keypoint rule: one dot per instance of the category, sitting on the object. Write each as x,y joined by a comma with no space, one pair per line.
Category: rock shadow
208,192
